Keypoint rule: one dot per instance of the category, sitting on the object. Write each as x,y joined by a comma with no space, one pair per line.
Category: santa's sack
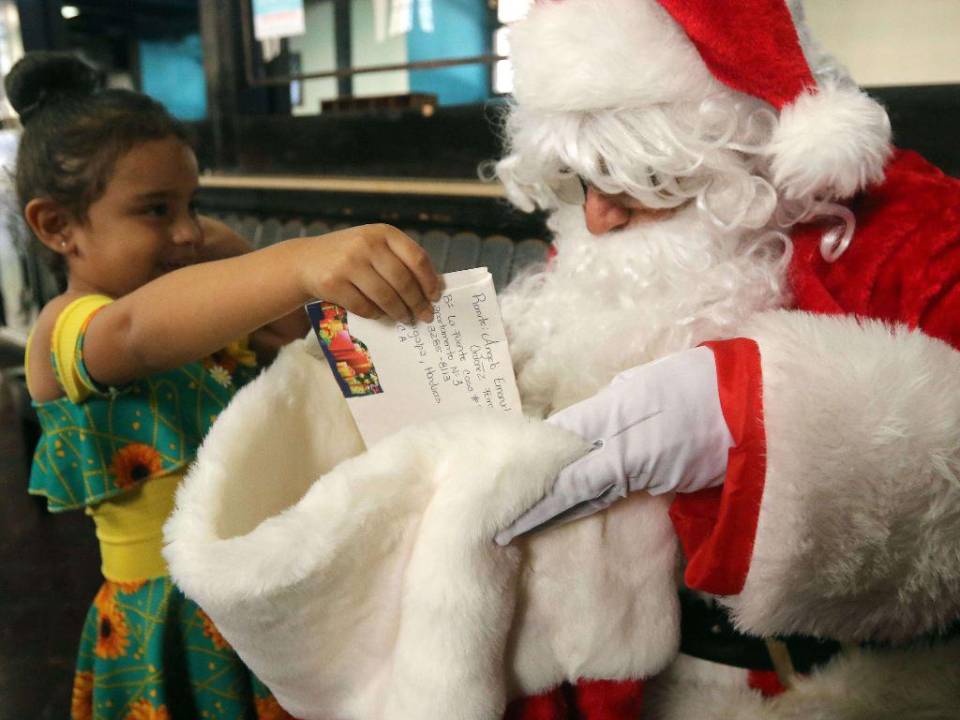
366,584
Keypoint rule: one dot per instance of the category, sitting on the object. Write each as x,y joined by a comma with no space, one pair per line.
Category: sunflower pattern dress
146,652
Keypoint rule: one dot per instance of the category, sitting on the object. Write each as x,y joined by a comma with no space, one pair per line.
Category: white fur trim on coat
877,684
859,524
585,55
366,585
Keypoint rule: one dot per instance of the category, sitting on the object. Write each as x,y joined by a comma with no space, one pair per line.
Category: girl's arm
189,313
221,242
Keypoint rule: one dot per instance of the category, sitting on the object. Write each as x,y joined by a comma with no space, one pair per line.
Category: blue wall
172,72
460,30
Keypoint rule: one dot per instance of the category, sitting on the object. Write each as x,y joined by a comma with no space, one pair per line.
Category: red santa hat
580,56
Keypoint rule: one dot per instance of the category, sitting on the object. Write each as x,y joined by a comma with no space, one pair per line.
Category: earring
63,243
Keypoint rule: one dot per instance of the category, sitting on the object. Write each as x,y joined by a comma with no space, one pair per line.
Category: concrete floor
49,573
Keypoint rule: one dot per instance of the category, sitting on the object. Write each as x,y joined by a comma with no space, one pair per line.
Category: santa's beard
607,303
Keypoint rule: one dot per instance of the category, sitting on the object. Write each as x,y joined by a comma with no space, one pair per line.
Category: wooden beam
381,186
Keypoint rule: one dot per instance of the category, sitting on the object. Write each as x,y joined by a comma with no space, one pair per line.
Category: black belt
707,633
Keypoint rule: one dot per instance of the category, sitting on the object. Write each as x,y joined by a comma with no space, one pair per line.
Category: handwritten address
451,367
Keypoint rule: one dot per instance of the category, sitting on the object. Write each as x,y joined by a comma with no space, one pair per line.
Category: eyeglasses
572,189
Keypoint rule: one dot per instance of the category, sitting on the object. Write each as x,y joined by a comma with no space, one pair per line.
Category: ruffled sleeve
66,347
99,442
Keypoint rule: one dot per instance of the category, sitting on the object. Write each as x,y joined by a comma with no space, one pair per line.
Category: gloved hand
657,427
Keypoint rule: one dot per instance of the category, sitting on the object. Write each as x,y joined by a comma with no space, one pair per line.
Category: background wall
368,51
318,53
172,72
461,30
891,42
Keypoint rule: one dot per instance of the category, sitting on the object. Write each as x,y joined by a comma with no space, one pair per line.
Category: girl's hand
371,270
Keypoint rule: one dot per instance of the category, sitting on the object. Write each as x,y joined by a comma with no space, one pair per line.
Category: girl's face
143,225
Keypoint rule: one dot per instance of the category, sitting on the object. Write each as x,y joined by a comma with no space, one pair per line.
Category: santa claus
745,349
707,163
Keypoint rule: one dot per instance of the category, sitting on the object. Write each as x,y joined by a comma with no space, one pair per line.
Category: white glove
657,427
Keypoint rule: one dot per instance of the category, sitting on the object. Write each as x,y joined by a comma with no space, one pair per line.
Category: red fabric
587,700
716,527
551,255
766,681
904,262
768,64
607,700
903,266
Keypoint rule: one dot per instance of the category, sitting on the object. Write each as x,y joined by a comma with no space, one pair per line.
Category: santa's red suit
902,268
802,536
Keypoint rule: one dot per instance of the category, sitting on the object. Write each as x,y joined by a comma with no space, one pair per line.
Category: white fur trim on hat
584,55
830,144
593,56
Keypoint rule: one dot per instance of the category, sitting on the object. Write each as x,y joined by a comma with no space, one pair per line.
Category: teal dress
146,652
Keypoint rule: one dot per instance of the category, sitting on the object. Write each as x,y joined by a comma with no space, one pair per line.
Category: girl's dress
147,652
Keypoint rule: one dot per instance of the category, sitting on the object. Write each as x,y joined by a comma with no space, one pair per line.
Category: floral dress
146,652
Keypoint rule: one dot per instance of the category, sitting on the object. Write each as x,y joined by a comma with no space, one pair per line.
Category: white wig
664,155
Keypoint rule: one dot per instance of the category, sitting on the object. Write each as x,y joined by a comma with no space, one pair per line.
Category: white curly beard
610,302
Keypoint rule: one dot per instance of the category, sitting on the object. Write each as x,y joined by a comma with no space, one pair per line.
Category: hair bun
40,78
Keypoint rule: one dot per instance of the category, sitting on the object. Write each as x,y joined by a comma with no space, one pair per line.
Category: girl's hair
74,130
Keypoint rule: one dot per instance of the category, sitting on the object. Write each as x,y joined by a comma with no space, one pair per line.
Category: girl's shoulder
116,438
41,379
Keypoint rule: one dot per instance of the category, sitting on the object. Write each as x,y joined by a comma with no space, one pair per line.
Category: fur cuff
859,523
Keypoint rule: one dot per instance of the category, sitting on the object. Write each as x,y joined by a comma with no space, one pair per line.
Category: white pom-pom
830,144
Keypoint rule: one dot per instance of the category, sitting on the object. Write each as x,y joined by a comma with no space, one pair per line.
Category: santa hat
581,56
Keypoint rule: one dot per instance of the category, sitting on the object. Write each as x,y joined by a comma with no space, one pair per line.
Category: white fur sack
366,585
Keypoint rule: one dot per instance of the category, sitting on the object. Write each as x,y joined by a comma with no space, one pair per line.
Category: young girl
121,371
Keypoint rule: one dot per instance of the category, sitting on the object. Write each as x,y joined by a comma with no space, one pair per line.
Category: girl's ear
51,223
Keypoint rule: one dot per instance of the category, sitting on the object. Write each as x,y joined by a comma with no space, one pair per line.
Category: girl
120,368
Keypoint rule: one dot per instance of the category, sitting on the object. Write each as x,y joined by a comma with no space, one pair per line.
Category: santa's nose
603,213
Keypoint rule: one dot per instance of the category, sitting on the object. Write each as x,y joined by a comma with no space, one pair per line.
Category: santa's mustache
613,301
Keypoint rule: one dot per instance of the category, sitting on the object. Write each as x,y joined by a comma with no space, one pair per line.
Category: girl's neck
77,286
